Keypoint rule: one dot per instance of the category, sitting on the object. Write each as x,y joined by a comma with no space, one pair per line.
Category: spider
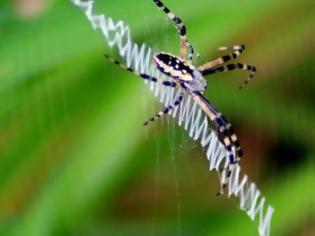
190,80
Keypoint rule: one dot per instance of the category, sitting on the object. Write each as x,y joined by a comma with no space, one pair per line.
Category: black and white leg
166,110
229,67
227,130
237,51
219,121
226,135
181,28
227,139
142,75
191,52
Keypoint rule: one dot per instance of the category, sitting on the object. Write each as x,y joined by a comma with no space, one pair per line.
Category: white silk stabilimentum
188,115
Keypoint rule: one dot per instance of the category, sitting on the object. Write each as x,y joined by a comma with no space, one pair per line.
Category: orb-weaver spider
190,80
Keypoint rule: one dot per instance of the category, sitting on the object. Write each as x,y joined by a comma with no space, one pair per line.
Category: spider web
188,115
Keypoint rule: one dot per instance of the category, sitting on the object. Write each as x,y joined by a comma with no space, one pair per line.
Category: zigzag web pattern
188,115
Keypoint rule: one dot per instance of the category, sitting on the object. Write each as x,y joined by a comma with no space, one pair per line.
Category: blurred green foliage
74,158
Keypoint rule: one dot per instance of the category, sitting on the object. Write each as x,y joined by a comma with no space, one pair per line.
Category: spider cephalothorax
190,81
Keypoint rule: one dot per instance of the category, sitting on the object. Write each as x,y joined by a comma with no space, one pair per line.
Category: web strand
188,115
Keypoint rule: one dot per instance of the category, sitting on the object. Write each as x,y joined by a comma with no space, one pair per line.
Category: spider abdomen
174,66
180,70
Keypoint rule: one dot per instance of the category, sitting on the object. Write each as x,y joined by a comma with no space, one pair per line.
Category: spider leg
181,28
229,67
191,52
166,110
229,139
218,121
227,130
142,75
238,49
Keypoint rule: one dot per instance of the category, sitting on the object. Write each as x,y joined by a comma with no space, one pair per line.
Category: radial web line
187,114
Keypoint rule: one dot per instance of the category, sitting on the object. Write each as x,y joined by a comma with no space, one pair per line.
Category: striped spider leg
165,83
142,75
167,109
220,122
181,28
216,65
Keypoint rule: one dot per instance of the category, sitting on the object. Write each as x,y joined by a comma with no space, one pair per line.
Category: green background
75,159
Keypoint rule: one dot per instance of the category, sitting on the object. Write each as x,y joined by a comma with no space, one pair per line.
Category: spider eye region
174,66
